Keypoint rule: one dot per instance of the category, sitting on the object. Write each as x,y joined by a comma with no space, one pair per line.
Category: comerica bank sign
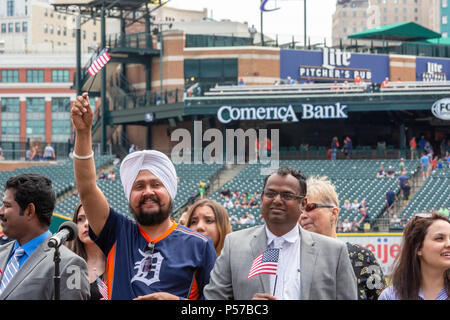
226,114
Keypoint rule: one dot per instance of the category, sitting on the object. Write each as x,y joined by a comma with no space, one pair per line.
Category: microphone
66,232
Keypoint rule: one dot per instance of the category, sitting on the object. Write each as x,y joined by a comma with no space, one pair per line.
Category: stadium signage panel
441,109
432,69
226,114
331,65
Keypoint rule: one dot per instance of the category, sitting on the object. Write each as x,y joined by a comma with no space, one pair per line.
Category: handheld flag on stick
99,62
265,263
102,288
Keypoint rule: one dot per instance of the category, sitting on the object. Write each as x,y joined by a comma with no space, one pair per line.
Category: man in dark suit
26,264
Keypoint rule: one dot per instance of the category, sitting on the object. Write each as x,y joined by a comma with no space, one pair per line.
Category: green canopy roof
406,31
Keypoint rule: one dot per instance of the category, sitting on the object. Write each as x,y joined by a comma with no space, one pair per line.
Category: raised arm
94,202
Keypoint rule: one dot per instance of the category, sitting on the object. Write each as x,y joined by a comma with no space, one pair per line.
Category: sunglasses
148,262
287,196
313,206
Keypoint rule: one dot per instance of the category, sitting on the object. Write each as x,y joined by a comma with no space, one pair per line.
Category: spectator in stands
290,80
132,148
335,86
444,210
320,216
253,203
244,220
36,155
395,221
434,163
390,199
440,164
385,83
363,210
381,173
111,175
211,219
228,203
422,143
355,205
422,268
49,152
103,175
192,198
70,153
403,221
347,205
358,80
339,227
158,258
2,156
427,147
424,165
355,225
402,164
346,225
390,173
348,147
234,220
201,189
334,147
241,82
90,252
225,193
413,147
28,154
326,261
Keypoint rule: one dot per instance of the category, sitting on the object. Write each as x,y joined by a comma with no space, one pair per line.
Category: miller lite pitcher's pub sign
330,64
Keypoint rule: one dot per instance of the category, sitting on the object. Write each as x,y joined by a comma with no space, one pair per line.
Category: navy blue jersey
178,262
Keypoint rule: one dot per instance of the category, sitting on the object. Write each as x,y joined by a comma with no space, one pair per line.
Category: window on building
45,28
10,27
24,26
58,30
444,19
60,76
10,105
3,27
444,34
17,26
35,75
65,31
444,3
10,8
60,105
35,127
35,105
95,36
51,29
10,128
10,75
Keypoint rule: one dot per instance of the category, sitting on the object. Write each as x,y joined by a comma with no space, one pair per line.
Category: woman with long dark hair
422,268
91,253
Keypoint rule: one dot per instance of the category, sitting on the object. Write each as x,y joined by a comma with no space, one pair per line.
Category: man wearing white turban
152,257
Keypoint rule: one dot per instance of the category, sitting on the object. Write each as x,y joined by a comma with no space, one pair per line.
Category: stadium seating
354,179
432,196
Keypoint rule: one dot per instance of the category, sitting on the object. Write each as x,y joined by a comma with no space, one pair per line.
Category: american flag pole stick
275,285
90,86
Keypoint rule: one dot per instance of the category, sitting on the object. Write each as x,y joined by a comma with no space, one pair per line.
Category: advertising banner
385,246
329,65
432,69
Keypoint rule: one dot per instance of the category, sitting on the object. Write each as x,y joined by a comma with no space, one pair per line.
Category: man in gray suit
26,264
310,266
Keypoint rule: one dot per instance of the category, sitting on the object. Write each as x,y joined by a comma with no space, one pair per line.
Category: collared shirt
30,246
390,294
287,280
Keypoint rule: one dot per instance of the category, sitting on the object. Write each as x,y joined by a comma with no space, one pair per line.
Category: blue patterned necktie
11,268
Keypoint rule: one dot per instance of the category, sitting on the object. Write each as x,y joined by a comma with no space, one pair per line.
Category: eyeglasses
287,196
148,262
313,206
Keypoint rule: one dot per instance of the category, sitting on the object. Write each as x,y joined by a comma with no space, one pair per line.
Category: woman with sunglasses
320,215
422,268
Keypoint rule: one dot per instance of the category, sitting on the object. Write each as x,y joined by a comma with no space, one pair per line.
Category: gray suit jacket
34,280
325,269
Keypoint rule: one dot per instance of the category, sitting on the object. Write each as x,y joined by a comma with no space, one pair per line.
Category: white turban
154,161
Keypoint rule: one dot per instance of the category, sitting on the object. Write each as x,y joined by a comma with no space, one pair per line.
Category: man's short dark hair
286,170
36,189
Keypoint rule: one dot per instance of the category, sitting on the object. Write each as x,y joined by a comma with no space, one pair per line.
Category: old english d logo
264,9
142,274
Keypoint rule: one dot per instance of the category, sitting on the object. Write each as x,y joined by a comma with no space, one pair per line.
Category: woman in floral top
320,216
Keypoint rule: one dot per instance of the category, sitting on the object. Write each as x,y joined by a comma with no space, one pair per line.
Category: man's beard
147,218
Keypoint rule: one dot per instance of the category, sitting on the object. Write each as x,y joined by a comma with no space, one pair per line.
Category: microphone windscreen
72,227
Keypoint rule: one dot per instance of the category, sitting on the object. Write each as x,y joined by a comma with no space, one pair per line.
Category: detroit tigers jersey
178,262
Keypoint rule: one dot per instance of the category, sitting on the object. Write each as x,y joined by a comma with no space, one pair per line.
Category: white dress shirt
287,280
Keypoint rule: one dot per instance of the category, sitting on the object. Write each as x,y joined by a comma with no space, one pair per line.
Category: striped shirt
389,294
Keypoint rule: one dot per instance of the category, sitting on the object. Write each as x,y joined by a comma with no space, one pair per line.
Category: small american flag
265,263
99,62
102,288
